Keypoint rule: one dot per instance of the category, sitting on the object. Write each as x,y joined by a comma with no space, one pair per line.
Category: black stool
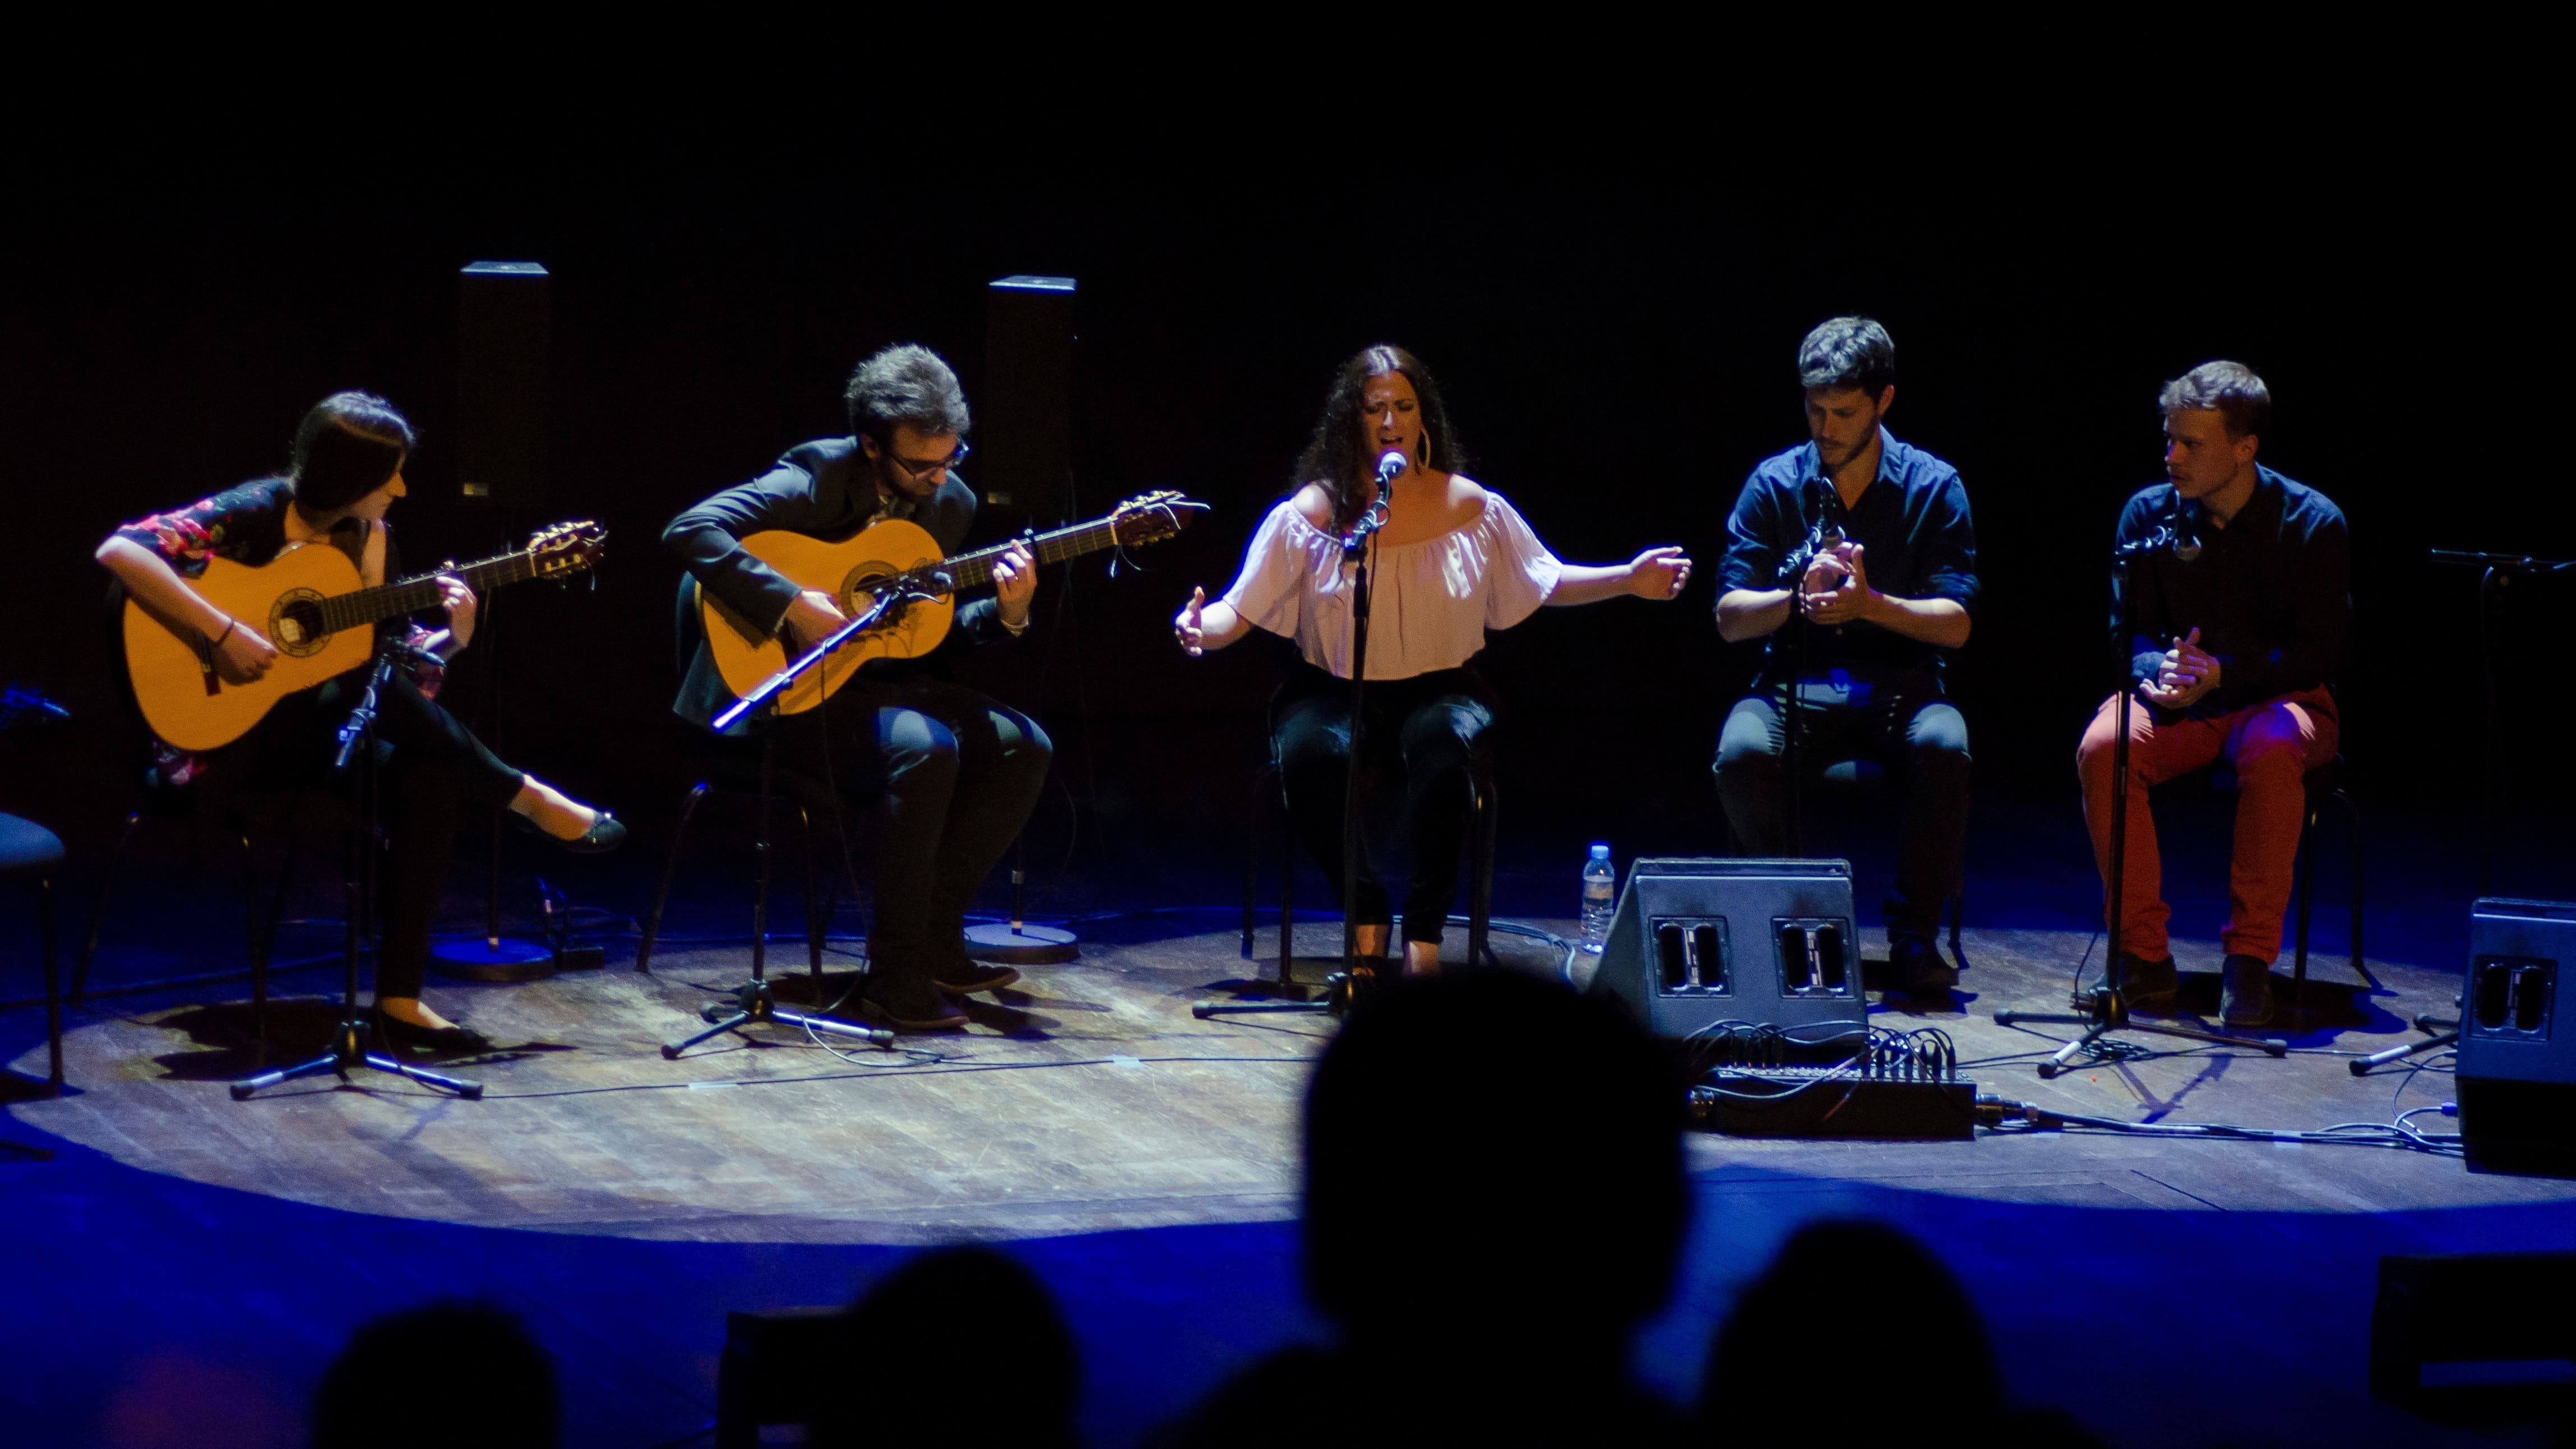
1867,776
731,767
2325,784
238,811
30,850
1270,803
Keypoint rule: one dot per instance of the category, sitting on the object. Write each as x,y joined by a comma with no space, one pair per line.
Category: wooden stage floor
1090,1102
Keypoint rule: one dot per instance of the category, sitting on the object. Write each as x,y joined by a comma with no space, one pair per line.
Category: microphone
2186,539
1390,466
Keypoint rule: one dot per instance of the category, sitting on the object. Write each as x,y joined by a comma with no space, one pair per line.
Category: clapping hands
1836,589
2185,674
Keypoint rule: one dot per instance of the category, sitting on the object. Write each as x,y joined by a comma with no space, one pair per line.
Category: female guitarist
348,461
1452,560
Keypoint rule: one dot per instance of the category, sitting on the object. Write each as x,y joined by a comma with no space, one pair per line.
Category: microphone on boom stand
1390,466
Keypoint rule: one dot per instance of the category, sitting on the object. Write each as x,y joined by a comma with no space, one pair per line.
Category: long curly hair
1336,455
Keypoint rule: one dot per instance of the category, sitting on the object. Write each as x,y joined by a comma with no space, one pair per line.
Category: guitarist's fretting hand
1015,583
812,617
244,655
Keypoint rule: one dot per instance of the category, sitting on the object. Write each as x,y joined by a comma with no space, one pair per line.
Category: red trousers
2271,745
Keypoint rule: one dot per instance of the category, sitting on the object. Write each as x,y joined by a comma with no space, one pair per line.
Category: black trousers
432,773
1432,724
1904,724
956,775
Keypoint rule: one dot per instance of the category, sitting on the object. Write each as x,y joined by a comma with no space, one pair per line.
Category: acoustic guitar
311,603
899,560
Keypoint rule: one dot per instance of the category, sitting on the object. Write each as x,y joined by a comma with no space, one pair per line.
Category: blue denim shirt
1916,540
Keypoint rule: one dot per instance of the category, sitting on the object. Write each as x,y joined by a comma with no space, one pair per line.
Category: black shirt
1913,529
2271,593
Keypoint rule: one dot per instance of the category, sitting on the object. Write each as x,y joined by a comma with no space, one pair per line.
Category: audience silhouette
1494,1201
1801,1359
949,1315
494,1387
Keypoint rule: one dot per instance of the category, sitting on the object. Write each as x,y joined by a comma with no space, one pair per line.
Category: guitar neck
971,570
364,607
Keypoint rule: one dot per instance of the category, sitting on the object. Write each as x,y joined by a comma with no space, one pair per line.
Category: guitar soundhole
295,624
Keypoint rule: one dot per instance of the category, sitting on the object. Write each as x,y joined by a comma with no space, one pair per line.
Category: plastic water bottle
1600,897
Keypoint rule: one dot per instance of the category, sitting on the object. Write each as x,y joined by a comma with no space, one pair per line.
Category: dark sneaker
908,1003
2248,988
966,975
2149,985
1915,968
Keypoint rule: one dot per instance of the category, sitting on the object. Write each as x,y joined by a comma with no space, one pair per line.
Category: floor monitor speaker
2517,1058
1770,942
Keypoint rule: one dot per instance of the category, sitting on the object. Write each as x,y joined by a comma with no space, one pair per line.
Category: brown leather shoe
966,975
908,1003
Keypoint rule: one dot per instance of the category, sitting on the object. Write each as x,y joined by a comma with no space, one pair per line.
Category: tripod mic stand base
1006,944
1341,990
347,1051
2109,1014
485,958
756,1001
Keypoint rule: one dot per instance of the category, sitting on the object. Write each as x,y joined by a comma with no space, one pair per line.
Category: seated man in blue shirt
1887,589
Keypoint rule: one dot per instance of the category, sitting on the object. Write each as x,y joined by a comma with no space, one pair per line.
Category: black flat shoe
433,1038
604,835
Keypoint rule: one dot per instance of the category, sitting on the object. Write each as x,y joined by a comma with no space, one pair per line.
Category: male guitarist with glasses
957,773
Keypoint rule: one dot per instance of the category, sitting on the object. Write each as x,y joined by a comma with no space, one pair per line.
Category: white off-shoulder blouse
1431,601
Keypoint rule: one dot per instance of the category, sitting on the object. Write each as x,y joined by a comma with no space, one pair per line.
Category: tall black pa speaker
504,346
1767,942
2517,1060
1024,436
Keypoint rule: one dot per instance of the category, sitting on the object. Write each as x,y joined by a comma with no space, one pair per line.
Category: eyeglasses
919,471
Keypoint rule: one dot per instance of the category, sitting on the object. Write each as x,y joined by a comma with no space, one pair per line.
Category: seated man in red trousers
2237,635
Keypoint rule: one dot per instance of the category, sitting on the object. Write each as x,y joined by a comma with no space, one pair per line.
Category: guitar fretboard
409,596
971,570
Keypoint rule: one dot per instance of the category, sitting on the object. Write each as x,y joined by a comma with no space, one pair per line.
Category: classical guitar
310,602
899,559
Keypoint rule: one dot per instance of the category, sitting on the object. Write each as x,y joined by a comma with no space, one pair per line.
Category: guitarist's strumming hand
244,655
813,617
1015,583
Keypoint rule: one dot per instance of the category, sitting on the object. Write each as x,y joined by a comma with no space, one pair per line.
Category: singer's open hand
1015,583
460,604
1659,573
1189,627
1851,599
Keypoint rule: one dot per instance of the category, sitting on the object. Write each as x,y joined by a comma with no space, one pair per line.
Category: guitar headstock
1150,517
566,548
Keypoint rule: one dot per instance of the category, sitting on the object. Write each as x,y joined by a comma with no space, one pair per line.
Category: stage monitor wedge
1766,942
1023,463
2517,1053
504,351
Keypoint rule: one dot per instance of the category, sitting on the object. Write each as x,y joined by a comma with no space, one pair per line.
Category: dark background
1614,327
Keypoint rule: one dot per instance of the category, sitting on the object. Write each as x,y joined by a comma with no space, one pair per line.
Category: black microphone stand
2109,1005
1822,536
2497,572
754,999
349,1039
1353,978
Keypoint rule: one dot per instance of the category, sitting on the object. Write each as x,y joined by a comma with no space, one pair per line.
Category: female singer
348,462
1452,561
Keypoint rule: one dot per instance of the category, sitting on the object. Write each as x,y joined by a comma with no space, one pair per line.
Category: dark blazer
820,489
